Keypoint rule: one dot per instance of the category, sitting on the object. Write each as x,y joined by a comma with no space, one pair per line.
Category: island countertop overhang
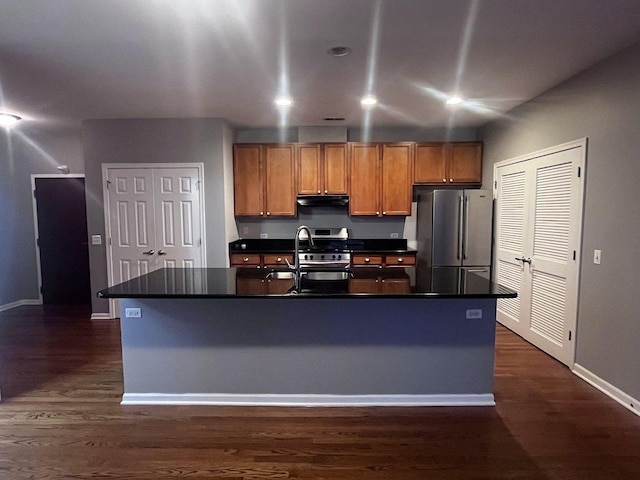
411,282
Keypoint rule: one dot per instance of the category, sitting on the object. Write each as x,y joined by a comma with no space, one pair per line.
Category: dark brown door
63,241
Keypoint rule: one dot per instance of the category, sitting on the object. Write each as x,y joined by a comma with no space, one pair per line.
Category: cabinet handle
319,191
384,213
326,191
400,260
444,180
245,259
451,180
268,213
279,259
261,214
367,260
378,213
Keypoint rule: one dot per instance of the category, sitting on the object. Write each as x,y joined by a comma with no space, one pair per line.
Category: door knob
161,252
149,252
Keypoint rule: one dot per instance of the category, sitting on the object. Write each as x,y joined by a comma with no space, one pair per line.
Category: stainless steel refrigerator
454,237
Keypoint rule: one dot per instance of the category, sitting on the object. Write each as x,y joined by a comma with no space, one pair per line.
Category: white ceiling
62,61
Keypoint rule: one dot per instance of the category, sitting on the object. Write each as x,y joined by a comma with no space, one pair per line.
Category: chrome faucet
296,258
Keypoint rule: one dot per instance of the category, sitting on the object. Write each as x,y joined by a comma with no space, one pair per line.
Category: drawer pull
245,259
367,260
279,260
400,260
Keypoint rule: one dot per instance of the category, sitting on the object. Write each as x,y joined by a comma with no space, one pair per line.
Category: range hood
323,200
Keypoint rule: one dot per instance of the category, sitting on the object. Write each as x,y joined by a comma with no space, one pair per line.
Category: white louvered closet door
538,221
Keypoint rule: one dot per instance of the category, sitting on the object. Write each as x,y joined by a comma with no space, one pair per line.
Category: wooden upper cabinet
280,176
430,163
465,163
336,168
309,169
264,180
322,169
448,163
397,178
365,179
248,182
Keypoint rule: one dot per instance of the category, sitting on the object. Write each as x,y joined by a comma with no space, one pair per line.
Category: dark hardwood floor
60,418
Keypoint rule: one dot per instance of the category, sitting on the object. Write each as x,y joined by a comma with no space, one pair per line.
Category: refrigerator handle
465,231
460,225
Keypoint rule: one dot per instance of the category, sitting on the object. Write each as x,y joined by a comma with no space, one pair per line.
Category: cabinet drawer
276,260
359,259
399,260
245,260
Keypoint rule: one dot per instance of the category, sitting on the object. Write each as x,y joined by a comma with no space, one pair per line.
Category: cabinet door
430,163
397,174
395,285
465,162
280,191
336,168
309,169
248,180
365,180
240,260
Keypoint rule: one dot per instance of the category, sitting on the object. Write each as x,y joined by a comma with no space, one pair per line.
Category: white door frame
579,143
35,219
105,199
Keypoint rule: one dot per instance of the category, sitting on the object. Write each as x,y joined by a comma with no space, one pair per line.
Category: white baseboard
20,303
292,400
605,387
100,316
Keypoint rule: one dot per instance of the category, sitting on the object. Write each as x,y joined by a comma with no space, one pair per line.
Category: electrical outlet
264,235
394,235
245,230
474,313
597,256
132,312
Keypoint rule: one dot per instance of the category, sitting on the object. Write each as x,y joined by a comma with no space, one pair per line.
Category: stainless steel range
329,249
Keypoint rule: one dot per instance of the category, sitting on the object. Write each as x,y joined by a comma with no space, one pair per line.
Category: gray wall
24,150
602,104
157,141
359,227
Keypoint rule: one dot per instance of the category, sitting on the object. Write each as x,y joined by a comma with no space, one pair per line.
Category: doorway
538,201
60,219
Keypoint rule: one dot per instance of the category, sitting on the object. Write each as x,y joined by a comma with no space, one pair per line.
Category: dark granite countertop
352,283
284,245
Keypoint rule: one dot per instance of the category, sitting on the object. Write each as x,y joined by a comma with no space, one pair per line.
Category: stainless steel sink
280,275
327,275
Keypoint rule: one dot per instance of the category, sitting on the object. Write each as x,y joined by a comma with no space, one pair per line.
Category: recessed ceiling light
368,101
340,51
454,100
283,101
8,120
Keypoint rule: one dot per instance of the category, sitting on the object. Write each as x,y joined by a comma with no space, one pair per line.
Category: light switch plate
96,239
597,256
474,313
132,312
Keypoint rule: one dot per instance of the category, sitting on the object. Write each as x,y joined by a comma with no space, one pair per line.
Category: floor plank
60,417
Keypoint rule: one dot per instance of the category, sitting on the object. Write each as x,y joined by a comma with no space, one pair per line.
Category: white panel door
131,223
155,220
177,219
538,224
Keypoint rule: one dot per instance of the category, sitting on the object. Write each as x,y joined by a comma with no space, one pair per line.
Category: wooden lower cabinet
257,260
249,260
383,260
372,282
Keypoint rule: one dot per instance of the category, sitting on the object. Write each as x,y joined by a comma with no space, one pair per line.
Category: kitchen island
384,336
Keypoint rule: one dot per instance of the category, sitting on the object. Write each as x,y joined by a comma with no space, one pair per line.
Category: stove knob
306,257
339,257
310,257
322,257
